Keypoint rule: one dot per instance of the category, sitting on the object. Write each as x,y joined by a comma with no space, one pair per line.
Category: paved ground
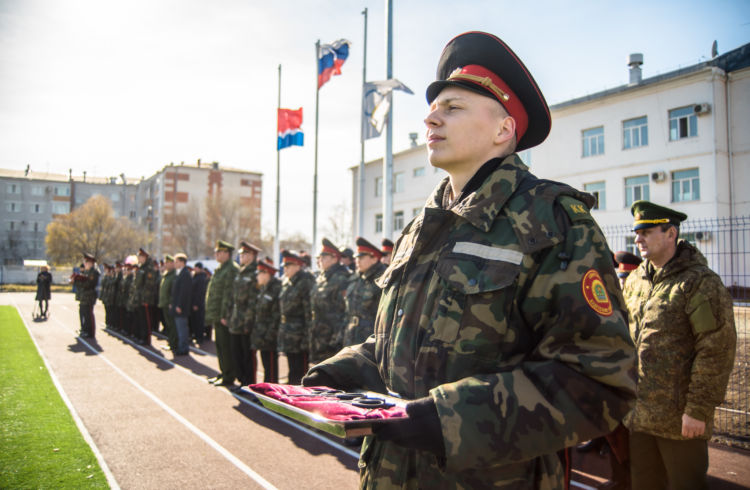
157,423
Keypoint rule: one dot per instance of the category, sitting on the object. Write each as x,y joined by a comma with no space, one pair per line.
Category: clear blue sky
108,87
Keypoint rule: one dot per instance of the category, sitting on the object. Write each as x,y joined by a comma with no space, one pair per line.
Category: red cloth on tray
322,404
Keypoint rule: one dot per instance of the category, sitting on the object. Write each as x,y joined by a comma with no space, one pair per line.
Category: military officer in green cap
682,323
245,291
219,311
501,322
165,296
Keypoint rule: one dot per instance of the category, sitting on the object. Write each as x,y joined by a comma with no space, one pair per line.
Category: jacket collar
685,256
481,206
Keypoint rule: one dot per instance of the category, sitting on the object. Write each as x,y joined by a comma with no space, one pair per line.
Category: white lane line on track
111,480
195,430
307,431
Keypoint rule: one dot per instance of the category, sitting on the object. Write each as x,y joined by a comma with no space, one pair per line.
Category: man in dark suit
197,317
179,307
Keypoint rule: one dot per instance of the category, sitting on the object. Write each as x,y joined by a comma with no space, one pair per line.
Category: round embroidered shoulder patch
595,293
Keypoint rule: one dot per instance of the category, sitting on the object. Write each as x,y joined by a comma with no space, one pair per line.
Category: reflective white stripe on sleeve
488,252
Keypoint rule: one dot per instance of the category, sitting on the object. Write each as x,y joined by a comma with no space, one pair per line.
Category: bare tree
231,219
339,226
189,234
92,228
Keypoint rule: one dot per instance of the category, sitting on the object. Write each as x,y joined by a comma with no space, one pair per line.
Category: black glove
318,377
420,431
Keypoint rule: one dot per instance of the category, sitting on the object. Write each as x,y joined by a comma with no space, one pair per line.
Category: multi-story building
678,139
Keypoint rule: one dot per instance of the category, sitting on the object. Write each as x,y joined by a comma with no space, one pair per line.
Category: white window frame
683,123
418,172
599,190
633,188
635,133
691,181
399,182
379,223
378,186
398,220
592,141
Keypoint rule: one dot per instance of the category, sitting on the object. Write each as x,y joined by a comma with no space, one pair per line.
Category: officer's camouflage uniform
682,323
218,307
328,305
129,306
266,329
165,296
486,310
106,296
296,317
145,294
245,291
362,298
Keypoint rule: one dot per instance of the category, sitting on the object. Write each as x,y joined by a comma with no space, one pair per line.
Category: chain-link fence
725,244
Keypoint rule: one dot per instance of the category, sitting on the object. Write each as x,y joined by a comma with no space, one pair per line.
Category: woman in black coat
43,286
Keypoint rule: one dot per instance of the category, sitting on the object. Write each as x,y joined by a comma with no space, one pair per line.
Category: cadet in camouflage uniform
296,317
682,323
165,296
85,283
117,300
328,304
387,251
245,291
128,301
219,311
145,297
106,293
267,315
363,295
501,316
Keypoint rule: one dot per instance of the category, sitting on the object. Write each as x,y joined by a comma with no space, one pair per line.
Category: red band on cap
622,267
362,249
331,251
482,77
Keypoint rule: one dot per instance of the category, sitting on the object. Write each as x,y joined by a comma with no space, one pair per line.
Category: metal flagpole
315,174
388,157
361,200
276,240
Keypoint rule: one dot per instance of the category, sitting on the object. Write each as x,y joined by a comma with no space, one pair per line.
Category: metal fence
724,242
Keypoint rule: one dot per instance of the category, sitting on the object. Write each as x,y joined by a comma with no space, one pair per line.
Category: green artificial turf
40,445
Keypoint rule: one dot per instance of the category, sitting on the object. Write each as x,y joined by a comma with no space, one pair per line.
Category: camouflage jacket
219,293
146,284
362,298
296,318
682,323
165,289
504,309
106,289
328,305
127,299
267,315
86,282
245,289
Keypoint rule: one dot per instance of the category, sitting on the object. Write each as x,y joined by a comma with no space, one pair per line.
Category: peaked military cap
248,247
366,248
198,265
142,252
484,64
180,256
88,256
118,264
168,258
291,258
347,252
264,266
626,263
306,259
387,246
225,246
648,215
329,248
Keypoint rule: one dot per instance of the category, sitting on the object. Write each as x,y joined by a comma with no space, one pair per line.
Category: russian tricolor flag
290,128
330,59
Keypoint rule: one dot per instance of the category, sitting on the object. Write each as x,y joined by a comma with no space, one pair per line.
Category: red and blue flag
290,128
330,58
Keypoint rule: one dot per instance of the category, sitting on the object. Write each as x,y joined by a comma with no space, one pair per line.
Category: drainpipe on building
730,162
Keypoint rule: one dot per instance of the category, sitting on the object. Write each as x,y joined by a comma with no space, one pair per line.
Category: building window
398,220
36,226
115,197
378,223
132,215
36,208
686,185
398,182
378,186
14,189
593,141
631,247
13,207
597,189
60,208
415,211
636,188
635,133
37,190
62,190
682,123
419,171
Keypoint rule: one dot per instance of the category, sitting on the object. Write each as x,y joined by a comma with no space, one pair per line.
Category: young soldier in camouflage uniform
501,317
267,316
245,290
328,304
219,311
106,293
682,322
296,318
363,295
145,294
85,283
165,296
